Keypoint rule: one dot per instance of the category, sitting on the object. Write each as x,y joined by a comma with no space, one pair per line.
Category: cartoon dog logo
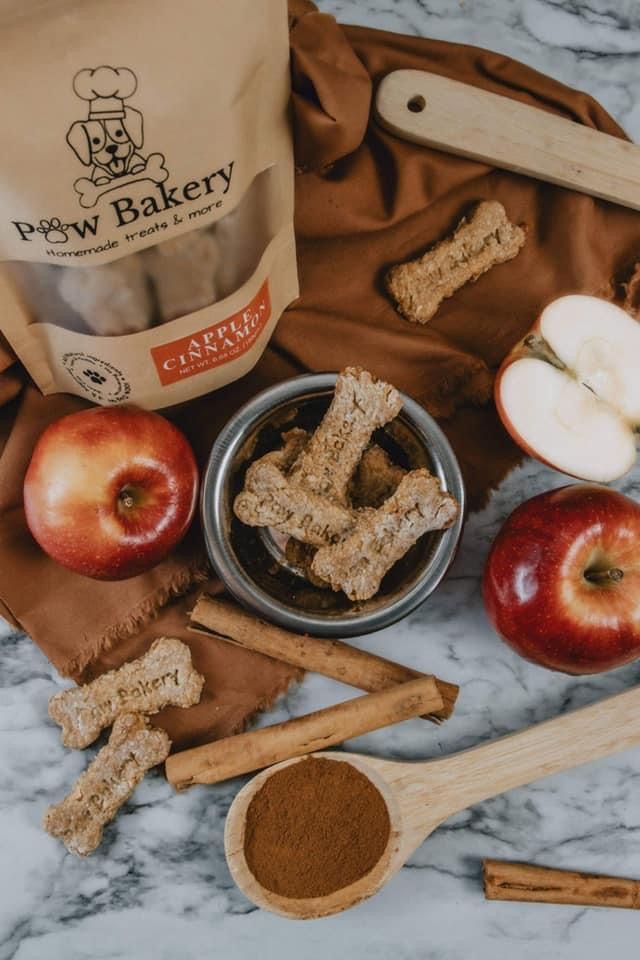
109,140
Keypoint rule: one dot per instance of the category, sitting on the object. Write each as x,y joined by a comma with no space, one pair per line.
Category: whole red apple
109,491
562,580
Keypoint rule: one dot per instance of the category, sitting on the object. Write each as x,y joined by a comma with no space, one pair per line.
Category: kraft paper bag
146,193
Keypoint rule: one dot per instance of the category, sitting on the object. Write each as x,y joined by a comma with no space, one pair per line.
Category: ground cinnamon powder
315,827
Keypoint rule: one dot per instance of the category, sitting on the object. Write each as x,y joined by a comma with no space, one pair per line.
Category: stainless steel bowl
251,561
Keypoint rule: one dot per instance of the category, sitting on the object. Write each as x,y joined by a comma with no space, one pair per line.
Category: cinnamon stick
331,658
526,882
233,756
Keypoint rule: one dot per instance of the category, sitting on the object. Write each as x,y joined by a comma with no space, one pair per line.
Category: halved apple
569,393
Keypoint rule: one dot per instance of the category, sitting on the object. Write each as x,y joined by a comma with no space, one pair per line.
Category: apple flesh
109,491
569,393
562,580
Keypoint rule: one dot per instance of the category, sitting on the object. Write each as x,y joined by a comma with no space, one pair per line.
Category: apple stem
539,346
126,499
613,575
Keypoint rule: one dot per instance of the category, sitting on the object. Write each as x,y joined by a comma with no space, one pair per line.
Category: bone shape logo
90,192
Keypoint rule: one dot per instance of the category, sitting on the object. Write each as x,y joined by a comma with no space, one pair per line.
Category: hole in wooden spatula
416,104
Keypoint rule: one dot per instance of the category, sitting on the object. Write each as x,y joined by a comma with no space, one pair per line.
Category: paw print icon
94,376
54,231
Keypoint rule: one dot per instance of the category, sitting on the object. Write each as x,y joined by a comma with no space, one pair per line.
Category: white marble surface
159,888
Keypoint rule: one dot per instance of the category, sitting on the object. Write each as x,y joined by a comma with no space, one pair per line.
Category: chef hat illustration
106,89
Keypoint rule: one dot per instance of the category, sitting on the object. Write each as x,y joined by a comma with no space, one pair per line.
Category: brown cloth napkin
366,200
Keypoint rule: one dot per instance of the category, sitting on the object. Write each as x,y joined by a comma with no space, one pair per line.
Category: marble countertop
159,887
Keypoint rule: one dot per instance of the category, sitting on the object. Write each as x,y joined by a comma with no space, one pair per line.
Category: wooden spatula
464,120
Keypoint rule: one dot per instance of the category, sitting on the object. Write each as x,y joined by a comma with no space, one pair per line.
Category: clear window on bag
161,283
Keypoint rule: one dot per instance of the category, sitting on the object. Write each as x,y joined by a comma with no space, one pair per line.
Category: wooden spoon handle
465,120
547,748
233,756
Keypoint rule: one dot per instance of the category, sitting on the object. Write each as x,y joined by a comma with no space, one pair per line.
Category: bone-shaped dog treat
294,443
111,778
358,563
164,675
375,479
270,499
360,405
478,244
112,299
294,440
183,271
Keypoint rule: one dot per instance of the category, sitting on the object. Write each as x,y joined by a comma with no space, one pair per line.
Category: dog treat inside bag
146,236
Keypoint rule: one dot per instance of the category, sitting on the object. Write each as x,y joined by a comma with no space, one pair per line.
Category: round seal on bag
99,379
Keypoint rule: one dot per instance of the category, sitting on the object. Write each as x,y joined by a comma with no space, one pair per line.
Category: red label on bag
220,343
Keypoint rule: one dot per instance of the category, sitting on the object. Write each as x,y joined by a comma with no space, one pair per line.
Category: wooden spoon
420,796
465,120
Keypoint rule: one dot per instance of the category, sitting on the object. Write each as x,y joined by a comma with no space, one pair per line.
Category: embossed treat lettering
147,687
486,239
271,500
310,502
359,562
101,799
133,748
163,676
360,405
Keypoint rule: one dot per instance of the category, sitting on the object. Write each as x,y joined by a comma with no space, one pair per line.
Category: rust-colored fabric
360,206
85,626
331,89
390,200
